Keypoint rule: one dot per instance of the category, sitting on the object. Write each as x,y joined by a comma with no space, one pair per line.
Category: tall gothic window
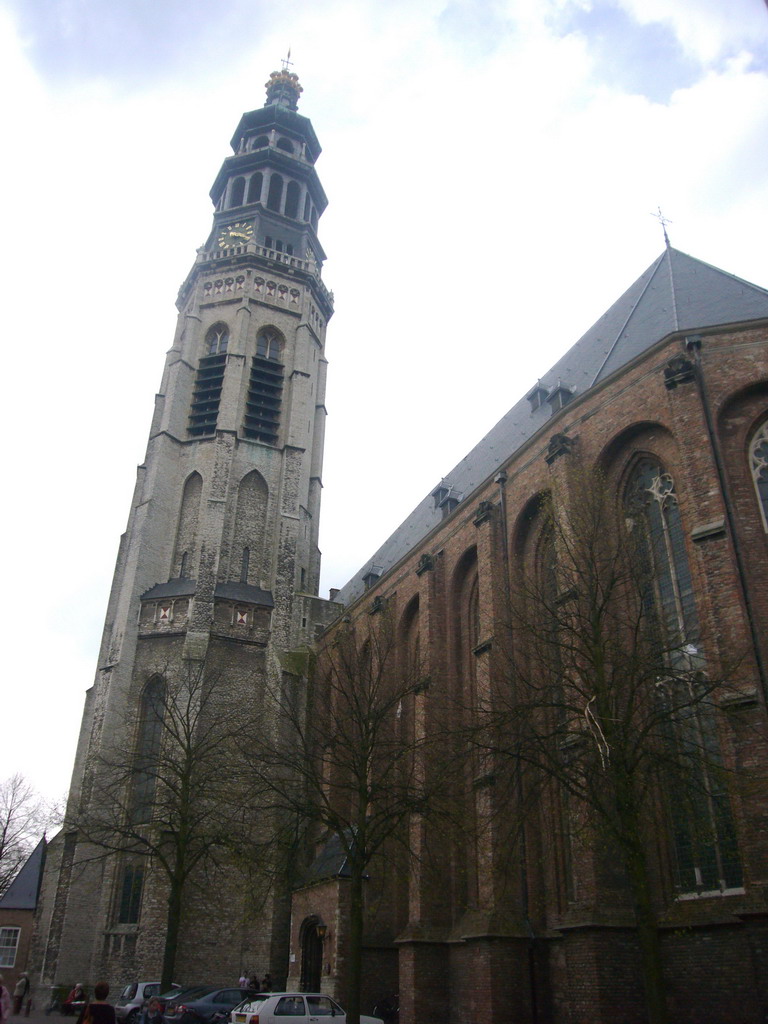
704,838
265,389
148,746
129,893
652,506
758,464
250,517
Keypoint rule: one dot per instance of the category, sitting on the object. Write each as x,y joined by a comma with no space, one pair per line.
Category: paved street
37,1016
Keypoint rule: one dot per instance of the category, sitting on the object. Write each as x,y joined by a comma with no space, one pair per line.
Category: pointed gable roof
676,293
22,893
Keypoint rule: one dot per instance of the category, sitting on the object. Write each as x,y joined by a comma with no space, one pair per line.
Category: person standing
5,1002
75,1000
20,992
154,1012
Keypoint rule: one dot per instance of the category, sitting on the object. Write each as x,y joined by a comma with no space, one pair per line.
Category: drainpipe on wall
501,479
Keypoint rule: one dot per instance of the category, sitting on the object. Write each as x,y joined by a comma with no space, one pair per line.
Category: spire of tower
283,87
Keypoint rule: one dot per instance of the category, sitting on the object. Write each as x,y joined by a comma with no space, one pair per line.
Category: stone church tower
219,564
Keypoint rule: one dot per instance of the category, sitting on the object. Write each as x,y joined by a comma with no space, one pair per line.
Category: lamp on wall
322,931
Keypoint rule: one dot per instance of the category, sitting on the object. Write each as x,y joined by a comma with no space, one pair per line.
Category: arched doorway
311,955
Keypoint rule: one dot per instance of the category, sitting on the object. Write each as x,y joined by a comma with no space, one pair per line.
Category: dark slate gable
676,293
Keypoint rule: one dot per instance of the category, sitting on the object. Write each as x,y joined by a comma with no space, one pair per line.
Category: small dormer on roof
537,395
559,396
446,497
372,575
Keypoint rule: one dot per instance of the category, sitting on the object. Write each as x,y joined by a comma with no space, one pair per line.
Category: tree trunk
645,915
173,923
355,956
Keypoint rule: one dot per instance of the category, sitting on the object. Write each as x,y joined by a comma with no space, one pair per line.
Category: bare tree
609,705
175,801
348,759
24,818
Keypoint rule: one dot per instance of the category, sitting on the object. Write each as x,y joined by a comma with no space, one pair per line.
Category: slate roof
246,593
183,587
180,587
22,893
331,862
676,293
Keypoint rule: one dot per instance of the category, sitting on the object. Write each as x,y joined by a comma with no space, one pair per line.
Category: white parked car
292,1008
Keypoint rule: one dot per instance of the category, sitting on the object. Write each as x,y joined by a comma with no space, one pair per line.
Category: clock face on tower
235,234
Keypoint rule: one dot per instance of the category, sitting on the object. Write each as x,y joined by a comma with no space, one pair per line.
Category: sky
492,167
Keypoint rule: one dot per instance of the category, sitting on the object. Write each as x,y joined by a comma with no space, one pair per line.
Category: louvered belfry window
206,397
265,390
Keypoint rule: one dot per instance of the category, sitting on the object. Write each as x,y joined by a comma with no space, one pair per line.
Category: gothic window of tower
246,563
269,344
265,388
148,743
186,531
286,144
217,339
260,142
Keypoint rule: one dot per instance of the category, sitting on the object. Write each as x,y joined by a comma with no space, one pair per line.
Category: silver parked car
132,998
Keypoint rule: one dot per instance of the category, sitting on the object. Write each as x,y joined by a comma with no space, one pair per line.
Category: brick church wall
579,973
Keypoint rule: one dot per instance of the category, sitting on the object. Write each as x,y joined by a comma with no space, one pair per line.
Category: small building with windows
17,915
655,421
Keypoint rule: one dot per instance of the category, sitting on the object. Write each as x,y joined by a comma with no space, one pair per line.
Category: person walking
20,992
98,1010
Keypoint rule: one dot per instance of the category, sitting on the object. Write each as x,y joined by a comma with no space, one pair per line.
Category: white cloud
707,29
